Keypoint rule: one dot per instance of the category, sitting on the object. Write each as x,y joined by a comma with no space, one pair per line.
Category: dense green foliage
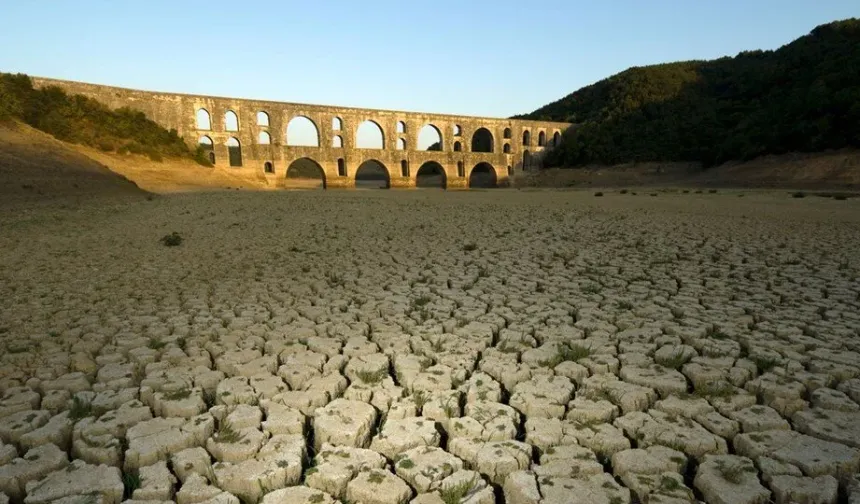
82,120
802,97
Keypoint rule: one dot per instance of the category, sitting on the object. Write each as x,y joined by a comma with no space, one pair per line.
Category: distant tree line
85,121
802,97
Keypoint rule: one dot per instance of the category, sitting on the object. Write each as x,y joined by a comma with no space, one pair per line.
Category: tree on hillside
804,96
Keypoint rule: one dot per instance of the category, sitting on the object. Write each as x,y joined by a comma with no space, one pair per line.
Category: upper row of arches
302,131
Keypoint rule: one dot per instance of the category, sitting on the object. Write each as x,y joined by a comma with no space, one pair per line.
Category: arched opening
429,138
507,148
401,127
231,121
556,139
336,124
431,174
458,146
268,167
234,149
305,173
204,122
404,168
461,169
302,132
372,174
482,141
507,133
483,175
541,139
264,138
337,142
341,168
457,130
262,118
369,136
401,144
208,147
527,160
527,137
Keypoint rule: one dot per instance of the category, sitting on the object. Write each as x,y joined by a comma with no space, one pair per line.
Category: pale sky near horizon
472,57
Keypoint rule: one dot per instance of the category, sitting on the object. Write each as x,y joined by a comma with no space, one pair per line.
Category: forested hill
802,97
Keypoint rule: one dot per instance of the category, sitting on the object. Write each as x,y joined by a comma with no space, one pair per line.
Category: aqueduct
256,137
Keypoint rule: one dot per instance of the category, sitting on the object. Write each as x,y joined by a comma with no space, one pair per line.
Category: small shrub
598,194
623,191
172,240
376,477
176,395
469,247
798,194
712,191
406,463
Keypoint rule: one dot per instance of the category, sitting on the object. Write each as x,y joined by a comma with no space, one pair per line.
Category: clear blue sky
476,57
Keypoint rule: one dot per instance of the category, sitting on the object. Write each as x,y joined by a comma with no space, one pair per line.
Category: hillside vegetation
81,120
802,97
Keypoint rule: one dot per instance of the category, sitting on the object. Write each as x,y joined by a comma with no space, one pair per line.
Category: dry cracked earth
389,347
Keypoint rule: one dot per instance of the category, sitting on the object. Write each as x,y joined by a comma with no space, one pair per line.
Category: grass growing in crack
156,344
371,377
227,433
420,398
764,363
130,483
80,409
674,361
566,352
406,463
455,493
669,484
714,389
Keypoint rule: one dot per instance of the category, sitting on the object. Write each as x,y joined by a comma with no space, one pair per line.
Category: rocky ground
420,346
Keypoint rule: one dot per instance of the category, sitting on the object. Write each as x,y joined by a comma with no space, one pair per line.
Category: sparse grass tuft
130,483
598,194
715,389
227,434
80,409
406,463
420,398
454,494
371,377
469,247
732,472
798,194
764,363
177,395
674,361
376,477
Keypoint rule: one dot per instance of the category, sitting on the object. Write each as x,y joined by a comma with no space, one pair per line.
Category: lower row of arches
306,172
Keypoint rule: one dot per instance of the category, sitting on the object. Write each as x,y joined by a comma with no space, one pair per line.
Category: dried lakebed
429,347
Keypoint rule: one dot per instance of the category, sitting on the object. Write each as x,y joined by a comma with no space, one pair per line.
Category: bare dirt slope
826,170
34,165
37,166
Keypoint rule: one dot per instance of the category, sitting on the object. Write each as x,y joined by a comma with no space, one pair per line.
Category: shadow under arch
431,174
372,174
483,175
305,173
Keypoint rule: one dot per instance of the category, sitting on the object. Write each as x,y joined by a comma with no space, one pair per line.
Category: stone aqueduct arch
261,131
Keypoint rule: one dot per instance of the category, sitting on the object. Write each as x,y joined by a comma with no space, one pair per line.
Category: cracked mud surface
430,347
